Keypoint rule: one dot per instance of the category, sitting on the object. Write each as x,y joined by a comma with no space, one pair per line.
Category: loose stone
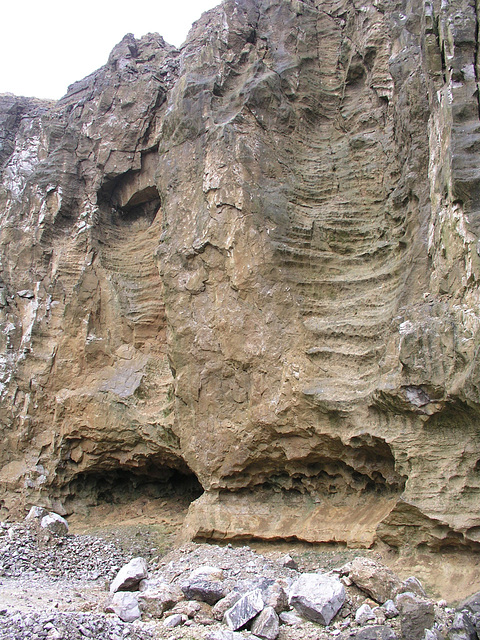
317,597
244,610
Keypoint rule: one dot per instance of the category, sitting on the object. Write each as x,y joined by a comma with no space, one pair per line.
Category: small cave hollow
125,209
122,486
143,207
132,198
363,466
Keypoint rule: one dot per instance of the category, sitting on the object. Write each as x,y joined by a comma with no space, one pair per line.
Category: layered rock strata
254,261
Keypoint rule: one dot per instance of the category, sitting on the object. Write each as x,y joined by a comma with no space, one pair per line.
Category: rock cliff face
254,261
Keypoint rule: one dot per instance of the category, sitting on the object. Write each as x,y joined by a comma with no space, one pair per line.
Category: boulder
288,562
205,584
363,614
317,597
472,604
207,572
26,293
390,609
379,613
189,607
129,576
175,620
219,609
290,618
201,612
247,607
36,514
125,605
377,632
378,581
462,628
159,598
413,585
416,615
276,597
54,523
266,624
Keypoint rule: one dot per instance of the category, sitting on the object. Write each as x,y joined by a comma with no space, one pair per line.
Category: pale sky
45,45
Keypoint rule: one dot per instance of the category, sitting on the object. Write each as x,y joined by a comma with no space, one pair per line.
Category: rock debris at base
58,588
25,551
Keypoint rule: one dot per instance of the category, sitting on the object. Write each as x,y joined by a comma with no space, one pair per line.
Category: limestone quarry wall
254,260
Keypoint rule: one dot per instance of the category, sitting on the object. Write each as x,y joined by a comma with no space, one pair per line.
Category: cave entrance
131,199
148,501
135,208
120,486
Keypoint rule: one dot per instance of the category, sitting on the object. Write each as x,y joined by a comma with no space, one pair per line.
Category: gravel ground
26,553
56,588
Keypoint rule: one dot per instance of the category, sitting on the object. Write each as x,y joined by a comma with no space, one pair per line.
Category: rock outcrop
254,261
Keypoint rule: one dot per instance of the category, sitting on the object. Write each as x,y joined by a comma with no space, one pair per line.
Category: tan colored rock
158,598
375,579
253,261
220,608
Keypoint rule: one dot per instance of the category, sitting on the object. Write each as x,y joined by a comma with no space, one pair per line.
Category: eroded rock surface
253,261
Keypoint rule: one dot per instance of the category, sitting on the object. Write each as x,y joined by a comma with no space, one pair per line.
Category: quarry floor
151,527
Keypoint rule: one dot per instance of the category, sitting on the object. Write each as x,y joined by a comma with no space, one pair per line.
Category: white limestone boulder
317,597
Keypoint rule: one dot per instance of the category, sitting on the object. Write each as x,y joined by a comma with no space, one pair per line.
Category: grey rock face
317,597
130,575
416,615
244,610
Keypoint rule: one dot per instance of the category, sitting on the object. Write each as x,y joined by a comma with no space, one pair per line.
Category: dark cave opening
363,466
124,201
120,486
143,206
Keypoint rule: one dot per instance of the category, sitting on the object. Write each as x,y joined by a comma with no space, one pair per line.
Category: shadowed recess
122,485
